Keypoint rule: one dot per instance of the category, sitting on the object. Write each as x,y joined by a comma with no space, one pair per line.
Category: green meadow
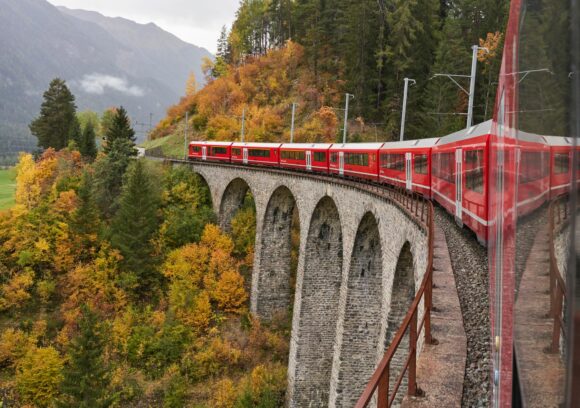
7,188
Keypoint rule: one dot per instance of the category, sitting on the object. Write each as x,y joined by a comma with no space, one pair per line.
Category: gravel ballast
469,262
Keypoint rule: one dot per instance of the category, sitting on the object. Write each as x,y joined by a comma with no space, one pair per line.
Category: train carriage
407,164
210,151
264,154
533,172
560,164
459,176
305,156
360,160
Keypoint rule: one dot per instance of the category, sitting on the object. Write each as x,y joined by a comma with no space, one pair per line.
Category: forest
117,288
312,52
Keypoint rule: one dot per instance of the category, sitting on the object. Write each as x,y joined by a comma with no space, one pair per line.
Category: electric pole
292,125
185,137
404,114
348,96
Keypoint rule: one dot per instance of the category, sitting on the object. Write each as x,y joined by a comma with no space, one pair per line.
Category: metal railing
559,218
379,382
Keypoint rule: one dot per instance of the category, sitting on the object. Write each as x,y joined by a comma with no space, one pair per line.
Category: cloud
98,83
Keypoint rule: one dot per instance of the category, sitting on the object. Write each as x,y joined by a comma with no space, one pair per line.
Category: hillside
101,58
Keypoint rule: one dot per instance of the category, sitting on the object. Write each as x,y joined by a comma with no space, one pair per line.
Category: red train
453,170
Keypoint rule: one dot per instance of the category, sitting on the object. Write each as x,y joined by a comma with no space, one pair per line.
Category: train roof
212,143
253,144
480,129
356,146
306,145
411,143
558,140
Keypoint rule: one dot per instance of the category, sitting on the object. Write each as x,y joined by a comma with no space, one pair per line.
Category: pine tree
86,377
119,129
85,220
75,134
88,144
134,225
57,116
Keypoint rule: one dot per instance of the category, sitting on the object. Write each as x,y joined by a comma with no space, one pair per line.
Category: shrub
38,376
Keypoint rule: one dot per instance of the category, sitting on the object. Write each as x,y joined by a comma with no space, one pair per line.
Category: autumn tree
191,85
134,225
38,376
86,376
57,116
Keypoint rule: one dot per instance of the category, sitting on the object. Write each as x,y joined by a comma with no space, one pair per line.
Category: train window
532,167
219,150
561,163
444,166
236,151
333,157
259,153
421,164
474,170
319,156
393,161
356,159
197,149
292,154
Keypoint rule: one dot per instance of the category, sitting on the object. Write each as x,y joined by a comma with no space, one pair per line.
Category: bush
38,376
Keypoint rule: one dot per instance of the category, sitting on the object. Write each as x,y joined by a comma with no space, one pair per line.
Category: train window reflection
474,170
421,164
561,163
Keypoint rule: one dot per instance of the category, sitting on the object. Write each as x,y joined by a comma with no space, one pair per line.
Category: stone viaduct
360,262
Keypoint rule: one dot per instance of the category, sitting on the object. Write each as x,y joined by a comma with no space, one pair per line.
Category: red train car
532,156
210,151
407,164
360,160
459,176
265,154
305,156
560,164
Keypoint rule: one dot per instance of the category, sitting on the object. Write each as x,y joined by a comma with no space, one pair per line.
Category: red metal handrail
380,379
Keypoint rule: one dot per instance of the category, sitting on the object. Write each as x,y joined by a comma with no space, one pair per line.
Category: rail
421,211
559,215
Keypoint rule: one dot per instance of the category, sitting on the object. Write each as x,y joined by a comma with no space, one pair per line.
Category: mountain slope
103,68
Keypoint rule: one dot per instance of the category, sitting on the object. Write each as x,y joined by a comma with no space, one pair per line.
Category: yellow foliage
224,394
15,292
492,42
33,180
218,356
14,344
199,316
38,376
229,293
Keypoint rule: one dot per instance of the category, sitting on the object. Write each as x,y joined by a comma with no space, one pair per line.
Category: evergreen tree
75,134
57,116
135,224
86,377
85,220
88,144
119,129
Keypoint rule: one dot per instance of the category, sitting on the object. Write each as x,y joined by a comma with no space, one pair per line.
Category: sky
198,22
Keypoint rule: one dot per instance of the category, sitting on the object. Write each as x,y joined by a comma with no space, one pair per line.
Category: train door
308,160
341,163
245,153
458,184
408,172
204,153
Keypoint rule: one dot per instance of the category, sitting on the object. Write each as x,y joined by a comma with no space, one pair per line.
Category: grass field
7,187
170,146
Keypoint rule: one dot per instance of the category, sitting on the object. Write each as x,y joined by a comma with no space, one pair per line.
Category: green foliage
244,228
87,377
119,129
57,116
134,226
75,133
87,143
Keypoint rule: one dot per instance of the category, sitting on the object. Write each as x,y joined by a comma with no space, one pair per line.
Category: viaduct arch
358,253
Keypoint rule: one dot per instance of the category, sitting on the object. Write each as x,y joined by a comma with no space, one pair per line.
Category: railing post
427,304
557,314
383,392
412,387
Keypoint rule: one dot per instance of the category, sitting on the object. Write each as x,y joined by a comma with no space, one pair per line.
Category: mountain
106,62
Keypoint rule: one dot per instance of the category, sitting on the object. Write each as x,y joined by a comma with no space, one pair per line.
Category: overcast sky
196,21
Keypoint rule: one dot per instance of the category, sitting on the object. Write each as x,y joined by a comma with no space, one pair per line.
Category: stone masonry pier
355,248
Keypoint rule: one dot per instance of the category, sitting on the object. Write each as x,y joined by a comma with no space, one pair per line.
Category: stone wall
350,242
